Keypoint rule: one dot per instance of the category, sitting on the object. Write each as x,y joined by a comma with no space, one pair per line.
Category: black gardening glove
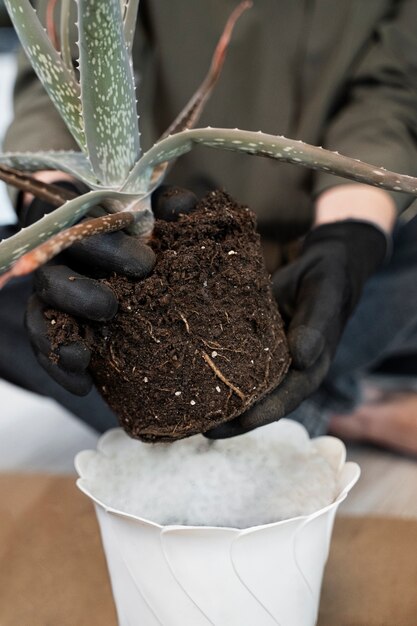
316,295
72,285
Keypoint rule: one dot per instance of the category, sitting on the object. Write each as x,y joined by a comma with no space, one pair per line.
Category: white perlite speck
240,482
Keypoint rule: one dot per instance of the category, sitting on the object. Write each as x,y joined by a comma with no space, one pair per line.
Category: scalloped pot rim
348,475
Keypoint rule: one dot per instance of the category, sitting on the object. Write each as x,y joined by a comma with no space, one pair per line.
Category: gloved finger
296,387
78,383
74,357
114,252
318,310
68,291
284,285
295,299
168,202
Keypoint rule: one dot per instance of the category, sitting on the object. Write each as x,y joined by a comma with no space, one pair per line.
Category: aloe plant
99,110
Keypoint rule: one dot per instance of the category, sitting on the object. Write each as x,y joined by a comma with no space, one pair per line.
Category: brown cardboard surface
52,569
53,573
371,575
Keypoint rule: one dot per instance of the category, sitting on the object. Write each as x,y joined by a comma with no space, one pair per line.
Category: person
341,75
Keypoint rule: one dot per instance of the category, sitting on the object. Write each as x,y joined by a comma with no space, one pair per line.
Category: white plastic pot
199,576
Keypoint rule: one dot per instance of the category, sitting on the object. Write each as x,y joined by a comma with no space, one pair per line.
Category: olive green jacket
337,73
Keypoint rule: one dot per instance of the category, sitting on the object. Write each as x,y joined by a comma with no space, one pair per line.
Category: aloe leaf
130,16
46,251
189,116
28,238
53,194
107,91
64,22
192,111
273,147
50,23
75,163
139,204
57,79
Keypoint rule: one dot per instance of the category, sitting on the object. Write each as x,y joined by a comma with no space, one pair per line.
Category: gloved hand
316,295
84,296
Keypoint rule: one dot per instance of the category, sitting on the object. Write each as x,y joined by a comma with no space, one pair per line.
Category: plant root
223,378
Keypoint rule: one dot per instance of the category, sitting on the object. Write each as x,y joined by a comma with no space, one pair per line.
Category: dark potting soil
197,342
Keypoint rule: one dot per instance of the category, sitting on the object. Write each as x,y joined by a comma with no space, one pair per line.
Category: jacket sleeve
377,121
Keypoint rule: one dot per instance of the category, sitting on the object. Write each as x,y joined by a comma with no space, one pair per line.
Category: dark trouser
381,335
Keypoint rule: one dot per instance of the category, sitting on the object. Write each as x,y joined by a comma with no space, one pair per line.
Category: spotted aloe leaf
75,163
273,147
55,76
46,251
130,13
28,238
107,91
